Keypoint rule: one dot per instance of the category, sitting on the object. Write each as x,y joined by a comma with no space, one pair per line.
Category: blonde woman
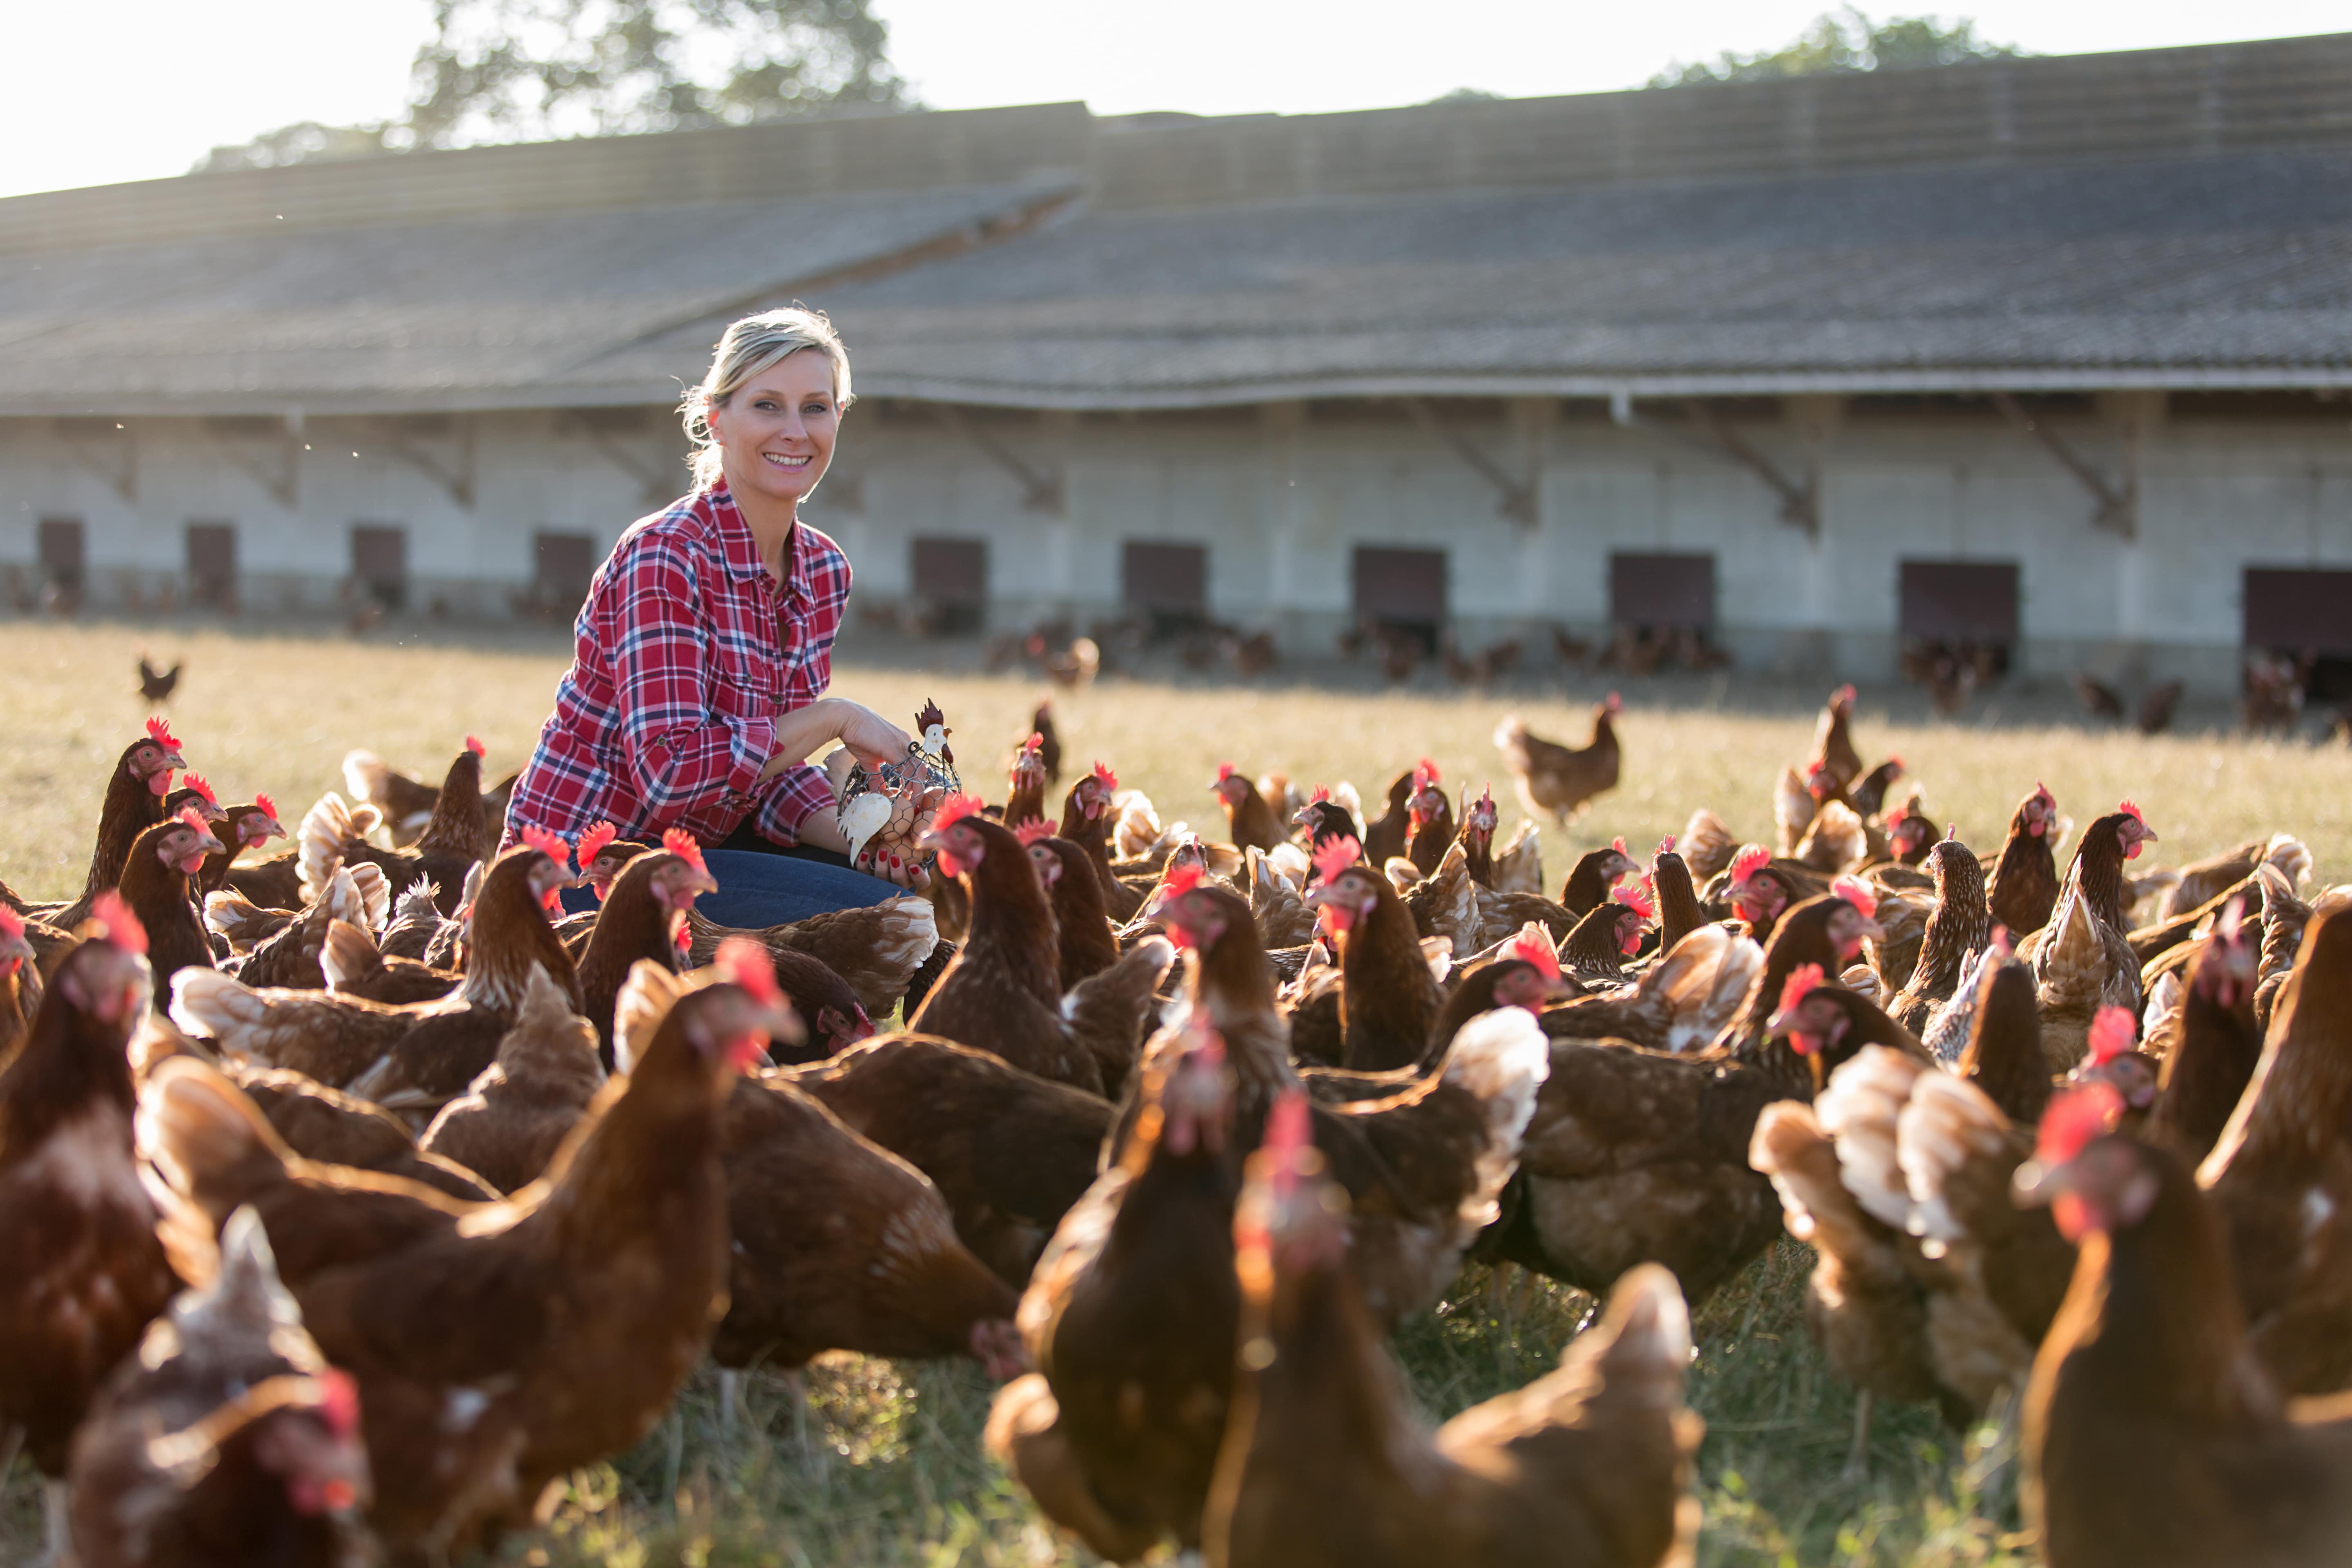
695,694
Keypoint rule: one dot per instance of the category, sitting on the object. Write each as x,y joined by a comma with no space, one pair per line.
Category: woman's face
775,435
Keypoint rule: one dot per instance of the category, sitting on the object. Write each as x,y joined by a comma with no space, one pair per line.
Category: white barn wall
1281,500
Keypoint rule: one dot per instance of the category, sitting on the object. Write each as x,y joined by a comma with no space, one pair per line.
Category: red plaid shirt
686,655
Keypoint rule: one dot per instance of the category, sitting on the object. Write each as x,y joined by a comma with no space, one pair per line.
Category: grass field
865,1461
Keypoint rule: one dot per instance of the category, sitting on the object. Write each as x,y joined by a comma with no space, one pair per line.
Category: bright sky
140,89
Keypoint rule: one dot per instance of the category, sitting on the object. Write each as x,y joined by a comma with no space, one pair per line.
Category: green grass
865,1461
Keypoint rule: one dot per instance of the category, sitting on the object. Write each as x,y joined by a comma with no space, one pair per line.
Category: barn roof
2178,217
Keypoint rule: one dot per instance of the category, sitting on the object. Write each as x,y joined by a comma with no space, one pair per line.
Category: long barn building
2048,355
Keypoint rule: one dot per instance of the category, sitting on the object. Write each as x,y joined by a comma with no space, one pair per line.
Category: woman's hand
870,737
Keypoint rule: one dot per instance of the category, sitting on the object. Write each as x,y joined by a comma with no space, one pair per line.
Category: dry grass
867,1462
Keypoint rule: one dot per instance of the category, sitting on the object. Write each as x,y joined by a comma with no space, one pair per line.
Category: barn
2047,358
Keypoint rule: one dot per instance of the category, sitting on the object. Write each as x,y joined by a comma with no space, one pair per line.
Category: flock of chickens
354,1194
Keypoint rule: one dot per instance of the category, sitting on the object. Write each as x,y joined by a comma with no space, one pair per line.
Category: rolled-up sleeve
793,797
683,752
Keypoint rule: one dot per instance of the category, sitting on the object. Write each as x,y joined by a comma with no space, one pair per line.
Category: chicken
877,950
245,827
455,839
405,803
1593,875
1911,835
1960,926
229,1438
1760,887
1087,943
1518,869
512,1118
1130,1319
1252,823
1523,972
1558,781
1025,802
2024,885
839,1245
1682,1002
500,1348
1326,1460
353,966
1049,739
1424,1162
155,885
1388,1000
157,685
20,985
1009,1150
2209,1053
135,791
2204,880
1707,845
333,1128
1086,821
643,918
2150,1436
1635,1156
2083,960
87,1268
1384,836
2280,1173
1595,951
1429,820
1833,739
1003,991
296,956
409,1059
1679,914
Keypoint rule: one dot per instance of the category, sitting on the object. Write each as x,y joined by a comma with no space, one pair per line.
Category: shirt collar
737,549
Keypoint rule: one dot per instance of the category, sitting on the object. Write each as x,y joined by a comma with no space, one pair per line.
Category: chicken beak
209,842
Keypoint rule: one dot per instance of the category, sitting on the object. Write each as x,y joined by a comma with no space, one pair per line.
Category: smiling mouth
783,461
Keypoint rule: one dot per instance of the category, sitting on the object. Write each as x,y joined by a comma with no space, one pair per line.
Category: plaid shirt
686,654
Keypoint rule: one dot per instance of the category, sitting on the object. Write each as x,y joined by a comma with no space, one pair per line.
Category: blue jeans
757,890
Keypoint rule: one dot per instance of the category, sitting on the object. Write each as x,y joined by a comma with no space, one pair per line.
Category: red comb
2232,919
1895,761
1854,891
1614,703
1336,855
2129,809
268,806
197,782
339,1401
117,924
11,924
1530,947
2042,790
1749,861
954,809
160,732
2073,1118
1182,880
681,843
1425,774
1036,742
1225,772
1618,844
1636,895
1802,982
1666,846
474,744
1899,816
549,843
1322,796
747,963
593,842
1842,695
192,817
2113,1033
1105,777
1030,832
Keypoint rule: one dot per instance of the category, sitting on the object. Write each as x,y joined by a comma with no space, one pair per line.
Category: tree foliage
513,70
1844,41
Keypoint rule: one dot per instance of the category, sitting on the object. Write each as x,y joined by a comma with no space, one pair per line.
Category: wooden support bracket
1041,489
658,481
105,448
454,475
1800,504
1518,501
270,453
2115,507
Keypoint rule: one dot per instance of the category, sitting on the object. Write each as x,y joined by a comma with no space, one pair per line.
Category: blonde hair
747,348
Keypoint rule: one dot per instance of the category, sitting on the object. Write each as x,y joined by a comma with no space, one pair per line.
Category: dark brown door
1662,592
64,561
1406,587
380,562
2298,610
1166,578
952,582
563,564
212,564
1957,602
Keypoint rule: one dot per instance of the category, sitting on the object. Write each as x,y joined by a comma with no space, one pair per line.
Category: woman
695,696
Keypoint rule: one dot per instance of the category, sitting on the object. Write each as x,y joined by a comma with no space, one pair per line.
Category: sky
150,89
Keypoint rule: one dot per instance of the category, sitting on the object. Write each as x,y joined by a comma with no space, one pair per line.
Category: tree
509,70
1840,42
